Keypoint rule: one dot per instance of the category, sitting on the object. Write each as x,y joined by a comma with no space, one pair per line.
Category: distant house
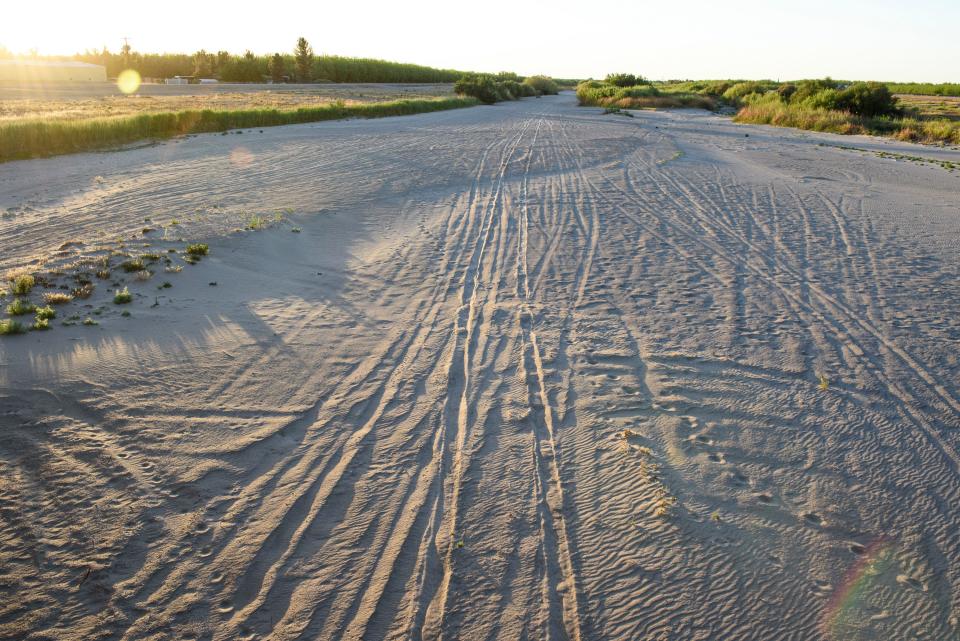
43,71
179,80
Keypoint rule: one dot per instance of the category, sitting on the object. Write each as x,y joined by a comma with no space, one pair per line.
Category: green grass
38,138
10,327
842,122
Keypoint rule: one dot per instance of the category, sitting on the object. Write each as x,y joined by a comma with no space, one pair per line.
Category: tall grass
37,138
843,122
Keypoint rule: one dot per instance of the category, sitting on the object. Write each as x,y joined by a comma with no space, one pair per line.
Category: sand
527,372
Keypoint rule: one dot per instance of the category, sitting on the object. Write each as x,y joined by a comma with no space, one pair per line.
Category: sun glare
128,81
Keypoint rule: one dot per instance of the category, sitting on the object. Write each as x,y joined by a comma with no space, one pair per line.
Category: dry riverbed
518,371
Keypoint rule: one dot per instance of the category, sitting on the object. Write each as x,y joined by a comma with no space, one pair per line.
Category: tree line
299,65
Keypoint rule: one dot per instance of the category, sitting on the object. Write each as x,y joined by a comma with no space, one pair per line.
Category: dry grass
82,108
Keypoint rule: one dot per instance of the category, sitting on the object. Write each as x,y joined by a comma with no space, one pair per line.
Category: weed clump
133,265
22,284
57,298
10,327
20,307
46,313
198,249
122,296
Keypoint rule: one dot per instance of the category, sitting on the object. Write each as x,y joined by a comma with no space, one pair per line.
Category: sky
847,39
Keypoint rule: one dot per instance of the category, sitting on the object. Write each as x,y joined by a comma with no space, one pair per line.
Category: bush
544,85
786,91
868,99
122,297
20,307
198,249
741,90
22,284
490,89
10,327
624,80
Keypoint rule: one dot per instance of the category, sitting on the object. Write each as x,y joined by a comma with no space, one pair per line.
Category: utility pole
125,49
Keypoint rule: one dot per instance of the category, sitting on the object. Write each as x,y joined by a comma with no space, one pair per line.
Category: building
43,71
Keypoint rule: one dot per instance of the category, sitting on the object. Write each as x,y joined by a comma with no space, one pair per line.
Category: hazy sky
850,39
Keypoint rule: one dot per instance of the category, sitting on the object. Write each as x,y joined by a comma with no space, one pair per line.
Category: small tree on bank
304,57
276,67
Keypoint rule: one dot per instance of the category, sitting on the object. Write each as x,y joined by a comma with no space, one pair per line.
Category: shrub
22,284
41,324
741,90
56,298
490,89
46,313
122,297
786,91
545,85
20,307
868,99
11,327
624,80
133,265
198,249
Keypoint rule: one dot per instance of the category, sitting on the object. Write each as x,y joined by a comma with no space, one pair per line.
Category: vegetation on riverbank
489,88
857,108
819,105
616,91
37,138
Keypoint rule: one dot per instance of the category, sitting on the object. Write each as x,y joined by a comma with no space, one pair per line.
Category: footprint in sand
857,549
225,607
766,499
813,518
716,457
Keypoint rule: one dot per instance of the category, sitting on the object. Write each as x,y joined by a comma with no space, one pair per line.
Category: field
520,371
946,107
81,101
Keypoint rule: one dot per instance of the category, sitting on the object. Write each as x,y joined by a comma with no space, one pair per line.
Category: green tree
203,64
304,56
276,67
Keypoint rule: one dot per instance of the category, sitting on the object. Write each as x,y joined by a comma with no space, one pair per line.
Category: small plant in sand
20,307
57,298
122,296
256,223
22,284
103,274
173,269
46,313
295,230
823,382
143,275
40,324
133,265
83,291
197,249
89,322
10,327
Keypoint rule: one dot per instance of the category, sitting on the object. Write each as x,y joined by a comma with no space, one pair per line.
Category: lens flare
128,81
849,602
